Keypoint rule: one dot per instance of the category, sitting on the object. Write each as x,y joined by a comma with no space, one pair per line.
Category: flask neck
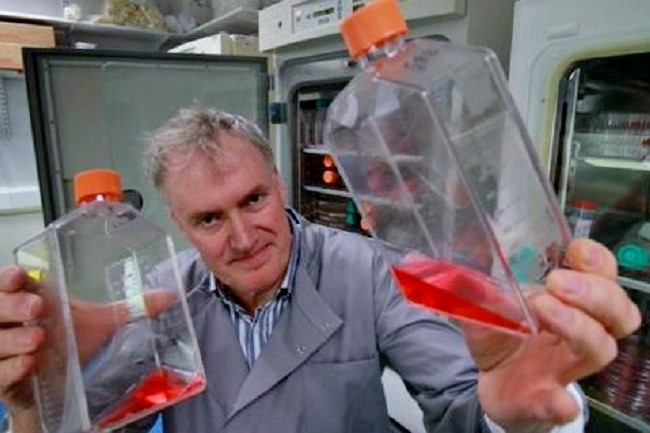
106,197
387,48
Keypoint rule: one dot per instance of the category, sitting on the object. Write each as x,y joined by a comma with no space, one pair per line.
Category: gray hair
198,129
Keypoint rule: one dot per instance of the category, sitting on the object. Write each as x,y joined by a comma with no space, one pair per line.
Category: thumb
562,407
96,323
148,304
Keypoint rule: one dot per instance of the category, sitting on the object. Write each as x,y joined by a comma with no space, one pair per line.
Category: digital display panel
322,12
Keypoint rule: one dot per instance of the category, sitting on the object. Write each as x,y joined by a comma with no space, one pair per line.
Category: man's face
232,211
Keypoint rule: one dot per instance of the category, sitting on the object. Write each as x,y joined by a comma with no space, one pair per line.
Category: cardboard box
14,36
27,34
11,56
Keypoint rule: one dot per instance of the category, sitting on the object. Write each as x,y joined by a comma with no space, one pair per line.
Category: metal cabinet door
93,108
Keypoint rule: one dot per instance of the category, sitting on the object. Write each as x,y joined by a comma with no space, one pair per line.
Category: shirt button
300,350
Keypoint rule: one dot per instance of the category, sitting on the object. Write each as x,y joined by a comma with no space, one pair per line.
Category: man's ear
172,215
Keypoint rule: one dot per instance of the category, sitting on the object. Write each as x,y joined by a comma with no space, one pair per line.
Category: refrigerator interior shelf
635,423
622,164
335,192
316,95
631,145
373,199
316,150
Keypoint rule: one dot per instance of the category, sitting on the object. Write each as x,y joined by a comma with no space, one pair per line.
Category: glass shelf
316,150
335,192
635,284
622,164
316,95
635,423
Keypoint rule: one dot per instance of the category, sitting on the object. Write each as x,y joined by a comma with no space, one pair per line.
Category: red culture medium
459,292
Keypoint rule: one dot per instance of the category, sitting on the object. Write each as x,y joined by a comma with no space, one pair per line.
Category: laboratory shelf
316,150
320,190
635,423
633,284
617,163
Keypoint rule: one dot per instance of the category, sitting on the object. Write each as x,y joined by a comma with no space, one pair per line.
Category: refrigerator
93,109
579,73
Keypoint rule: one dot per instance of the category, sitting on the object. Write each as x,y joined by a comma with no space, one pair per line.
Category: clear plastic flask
119,345
435,154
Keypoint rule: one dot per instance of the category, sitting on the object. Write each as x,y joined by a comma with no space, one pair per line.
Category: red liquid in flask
459,292
155,391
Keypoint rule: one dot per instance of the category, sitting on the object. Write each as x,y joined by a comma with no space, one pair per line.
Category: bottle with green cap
427,137
119,342
633,251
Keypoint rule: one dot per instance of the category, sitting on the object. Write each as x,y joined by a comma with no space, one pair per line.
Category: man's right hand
18,305
94,326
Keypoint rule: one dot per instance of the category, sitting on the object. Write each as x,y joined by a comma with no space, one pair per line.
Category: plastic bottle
581,215
118,345
427,137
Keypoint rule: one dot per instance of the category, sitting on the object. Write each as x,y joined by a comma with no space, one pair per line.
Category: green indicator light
632,256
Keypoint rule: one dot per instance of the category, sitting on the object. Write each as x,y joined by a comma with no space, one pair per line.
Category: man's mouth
255,258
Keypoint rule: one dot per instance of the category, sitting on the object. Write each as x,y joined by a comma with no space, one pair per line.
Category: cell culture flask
119,341
438,161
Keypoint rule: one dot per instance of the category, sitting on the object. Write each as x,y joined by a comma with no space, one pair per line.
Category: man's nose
241,232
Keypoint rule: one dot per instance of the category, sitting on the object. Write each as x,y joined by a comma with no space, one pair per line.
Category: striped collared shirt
254,331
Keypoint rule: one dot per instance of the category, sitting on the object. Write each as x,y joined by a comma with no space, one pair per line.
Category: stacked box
15,36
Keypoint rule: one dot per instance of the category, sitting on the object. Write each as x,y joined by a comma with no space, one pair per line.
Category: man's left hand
581,314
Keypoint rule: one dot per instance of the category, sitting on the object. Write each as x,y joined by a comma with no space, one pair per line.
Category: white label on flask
133,290
582,228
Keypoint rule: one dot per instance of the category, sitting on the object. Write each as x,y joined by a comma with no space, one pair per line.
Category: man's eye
208,220
255,199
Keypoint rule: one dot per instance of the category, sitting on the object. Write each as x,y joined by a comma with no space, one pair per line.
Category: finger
20,340
12,279
20,307
591,346
14,370
111,316
589,256
149,304
599,297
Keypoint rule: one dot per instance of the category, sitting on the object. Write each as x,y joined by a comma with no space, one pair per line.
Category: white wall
16,228
33,7
20,206
20,213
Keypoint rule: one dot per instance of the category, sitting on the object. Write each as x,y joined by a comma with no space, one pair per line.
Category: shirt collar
286,288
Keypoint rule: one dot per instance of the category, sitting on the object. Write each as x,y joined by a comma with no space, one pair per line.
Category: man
296,321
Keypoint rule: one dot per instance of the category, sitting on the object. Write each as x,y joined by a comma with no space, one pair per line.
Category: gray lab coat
320,372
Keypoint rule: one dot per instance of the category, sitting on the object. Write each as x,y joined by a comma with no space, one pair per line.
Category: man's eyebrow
201,213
